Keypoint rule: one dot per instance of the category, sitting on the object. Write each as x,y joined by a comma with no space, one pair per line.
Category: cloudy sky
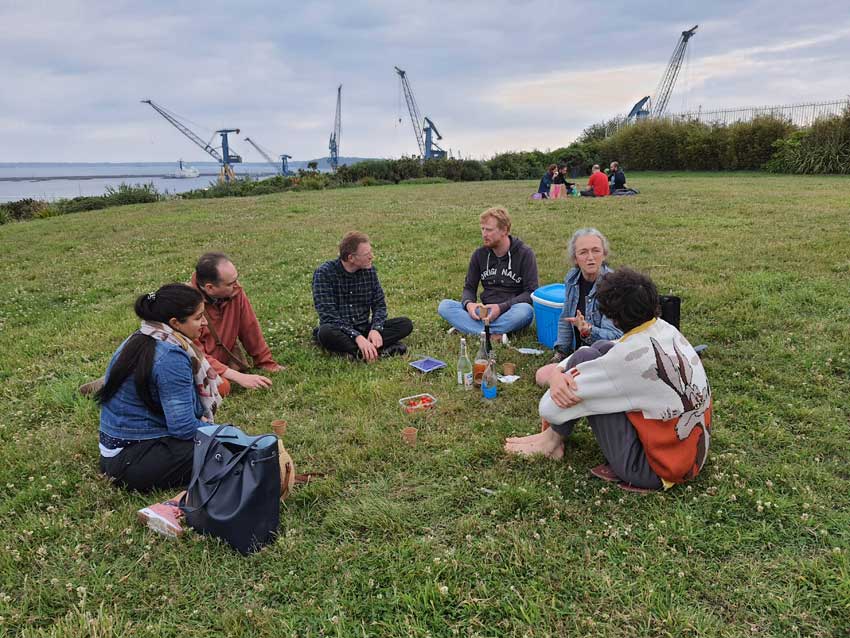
494,76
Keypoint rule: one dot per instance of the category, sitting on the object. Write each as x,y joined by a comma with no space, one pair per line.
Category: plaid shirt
345,299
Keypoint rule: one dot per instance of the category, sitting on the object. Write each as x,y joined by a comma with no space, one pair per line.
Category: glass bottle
464,367
480,361
488,381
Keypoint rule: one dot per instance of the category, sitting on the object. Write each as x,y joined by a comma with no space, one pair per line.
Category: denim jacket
601,326
125,415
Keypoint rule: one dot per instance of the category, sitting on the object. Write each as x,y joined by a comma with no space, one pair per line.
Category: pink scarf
207,380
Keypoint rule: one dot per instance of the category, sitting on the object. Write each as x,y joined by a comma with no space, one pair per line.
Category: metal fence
798,114
801,115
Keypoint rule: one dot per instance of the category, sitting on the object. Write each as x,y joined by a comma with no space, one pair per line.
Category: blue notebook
428,364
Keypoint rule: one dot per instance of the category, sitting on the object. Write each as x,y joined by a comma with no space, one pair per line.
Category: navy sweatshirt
507,280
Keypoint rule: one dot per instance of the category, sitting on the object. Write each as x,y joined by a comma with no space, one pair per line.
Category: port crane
225,158
656,106
333,143
425,132
282,168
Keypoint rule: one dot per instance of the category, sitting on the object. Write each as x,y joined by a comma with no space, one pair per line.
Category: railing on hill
801,115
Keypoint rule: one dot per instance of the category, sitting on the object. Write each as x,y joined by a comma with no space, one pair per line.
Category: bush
312,183
371,181
424,180
246,187
663,145
22,209
823,148
750,145
126,194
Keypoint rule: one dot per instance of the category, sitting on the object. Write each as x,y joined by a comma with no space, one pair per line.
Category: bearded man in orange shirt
230,318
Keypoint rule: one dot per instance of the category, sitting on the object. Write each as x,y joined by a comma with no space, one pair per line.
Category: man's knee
542,375
327,335
589,353
404,326
523,312
446,307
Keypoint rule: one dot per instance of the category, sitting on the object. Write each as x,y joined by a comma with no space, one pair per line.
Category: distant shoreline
133,176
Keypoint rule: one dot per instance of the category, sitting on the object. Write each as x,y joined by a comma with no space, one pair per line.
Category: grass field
450,538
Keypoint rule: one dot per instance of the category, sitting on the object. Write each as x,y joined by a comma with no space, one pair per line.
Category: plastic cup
279,427
508,369
409,435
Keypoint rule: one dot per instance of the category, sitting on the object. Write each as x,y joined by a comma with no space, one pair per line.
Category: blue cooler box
548,304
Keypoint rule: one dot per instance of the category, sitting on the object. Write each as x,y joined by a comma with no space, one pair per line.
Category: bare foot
548,443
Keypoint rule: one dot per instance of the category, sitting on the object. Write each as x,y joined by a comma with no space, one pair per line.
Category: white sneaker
451,330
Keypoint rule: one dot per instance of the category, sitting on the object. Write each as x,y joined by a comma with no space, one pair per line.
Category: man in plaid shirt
351,305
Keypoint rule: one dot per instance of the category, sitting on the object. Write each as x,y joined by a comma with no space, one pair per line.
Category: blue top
545,183
125,416
602,327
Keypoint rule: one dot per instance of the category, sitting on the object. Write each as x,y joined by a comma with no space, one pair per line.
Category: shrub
750,145
692,145
823,148
312,183
127,194
22,209
425,180
372,181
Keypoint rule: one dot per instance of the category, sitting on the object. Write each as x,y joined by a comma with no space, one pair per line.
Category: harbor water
50,182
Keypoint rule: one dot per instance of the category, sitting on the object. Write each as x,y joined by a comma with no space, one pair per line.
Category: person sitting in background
597,184
231,318
564,171
158,390
506,268
581,322
351,305
559,183
546,181
646,395
616,178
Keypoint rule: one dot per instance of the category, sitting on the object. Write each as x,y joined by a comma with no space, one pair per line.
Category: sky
493,76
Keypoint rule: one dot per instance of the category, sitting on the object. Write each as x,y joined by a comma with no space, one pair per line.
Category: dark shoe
87,389
605,473
628,487
393,350
558,357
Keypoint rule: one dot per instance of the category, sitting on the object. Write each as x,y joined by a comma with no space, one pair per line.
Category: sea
49,181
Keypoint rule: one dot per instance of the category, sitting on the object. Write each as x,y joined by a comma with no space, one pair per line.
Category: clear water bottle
464,367
488,381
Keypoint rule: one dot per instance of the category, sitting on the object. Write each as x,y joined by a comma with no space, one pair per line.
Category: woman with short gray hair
581,322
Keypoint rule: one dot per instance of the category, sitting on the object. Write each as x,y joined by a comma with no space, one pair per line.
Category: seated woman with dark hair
159,389
645,396
546,181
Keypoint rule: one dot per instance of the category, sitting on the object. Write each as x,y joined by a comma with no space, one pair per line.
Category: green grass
401,541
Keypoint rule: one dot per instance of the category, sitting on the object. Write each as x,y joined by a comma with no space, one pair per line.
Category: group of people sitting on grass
635,377
554,184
